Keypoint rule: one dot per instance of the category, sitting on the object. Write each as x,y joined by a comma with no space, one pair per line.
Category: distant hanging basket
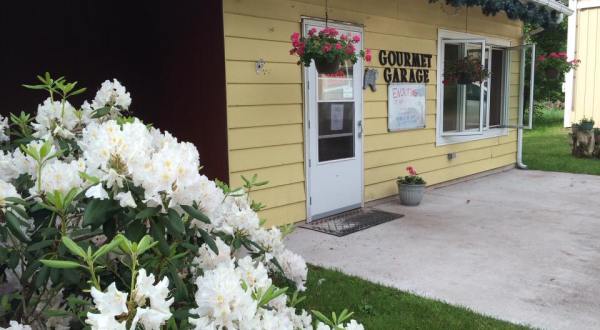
552,73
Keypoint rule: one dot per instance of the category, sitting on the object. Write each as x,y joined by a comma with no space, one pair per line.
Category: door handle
360,128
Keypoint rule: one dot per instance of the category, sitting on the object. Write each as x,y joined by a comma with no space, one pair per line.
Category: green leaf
41,278
175,223
60,264
195,213
73,247
209,240
147,213
145,243
158,233
98,211
14,225
40,245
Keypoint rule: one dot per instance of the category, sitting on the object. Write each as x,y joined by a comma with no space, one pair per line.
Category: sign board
406,106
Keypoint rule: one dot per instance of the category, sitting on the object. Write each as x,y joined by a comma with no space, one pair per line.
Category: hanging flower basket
552,73
326,67
465,71
327,48
555,65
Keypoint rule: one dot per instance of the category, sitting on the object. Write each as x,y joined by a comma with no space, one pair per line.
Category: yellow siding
265,110
586,101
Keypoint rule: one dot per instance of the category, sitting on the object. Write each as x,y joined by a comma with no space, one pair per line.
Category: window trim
442,139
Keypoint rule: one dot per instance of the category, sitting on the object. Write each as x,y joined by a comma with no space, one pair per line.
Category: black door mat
352,221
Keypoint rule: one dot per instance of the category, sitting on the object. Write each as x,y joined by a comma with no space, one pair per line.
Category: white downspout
520,164
569,84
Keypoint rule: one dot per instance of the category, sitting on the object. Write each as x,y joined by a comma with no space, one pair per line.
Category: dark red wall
169,55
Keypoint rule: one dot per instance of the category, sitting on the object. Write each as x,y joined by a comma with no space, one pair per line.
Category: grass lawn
379,307
547,147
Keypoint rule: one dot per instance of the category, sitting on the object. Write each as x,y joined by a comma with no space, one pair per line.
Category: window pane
336,86
473,102
497,87
336,130
451,92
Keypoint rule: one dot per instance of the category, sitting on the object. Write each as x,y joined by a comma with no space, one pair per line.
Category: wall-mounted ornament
370,79
260,66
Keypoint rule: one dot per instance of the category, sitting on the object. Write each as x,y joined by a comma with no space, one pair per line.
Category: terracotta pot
410,194
552,73
326,67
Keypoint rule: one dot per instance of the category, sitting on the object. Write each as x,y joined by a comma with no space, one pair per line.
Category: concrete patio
523,246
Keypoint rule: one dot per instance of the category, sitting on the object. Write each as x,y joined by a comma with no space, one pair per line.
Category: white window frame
441,137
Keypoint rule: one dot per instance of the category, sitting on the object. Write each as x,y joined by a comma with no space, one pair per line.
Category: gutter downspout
520,164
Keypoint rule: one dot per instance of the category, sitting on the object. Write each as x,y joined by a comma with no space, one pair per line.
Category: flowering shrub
465,71
106,223
411,178
553,65
326,46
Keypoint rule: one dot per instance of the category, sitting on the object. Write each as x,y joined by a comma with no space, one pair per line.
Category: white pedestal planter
410,194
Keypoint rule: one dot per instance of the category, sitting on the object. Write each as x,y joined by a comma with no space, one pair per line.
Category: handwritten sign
406,106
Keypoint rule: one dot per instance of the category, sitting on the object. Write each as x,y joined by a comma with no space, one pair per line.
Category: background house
581,86
220,74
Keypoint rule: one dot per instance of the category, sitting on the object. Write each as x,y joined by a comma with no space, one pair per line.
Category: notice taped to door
406,106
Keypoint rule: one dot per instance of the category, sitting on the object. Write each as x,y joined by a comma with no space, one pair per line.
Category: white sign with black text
406,106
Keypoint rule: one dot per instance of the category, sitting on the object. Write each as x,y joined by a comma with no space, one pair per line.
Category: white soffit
553,4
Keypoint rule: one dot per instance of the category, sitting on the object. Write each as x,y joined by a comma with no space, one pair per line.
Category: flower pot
410,194
326,67
463,79
552,73
586,126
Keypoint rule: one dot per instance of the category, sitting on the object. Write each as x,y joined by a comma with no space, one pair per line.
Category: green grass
379,307
547,147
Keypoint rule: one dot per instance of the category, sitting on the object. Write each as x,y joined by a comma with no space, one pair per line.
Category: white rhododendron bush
106,222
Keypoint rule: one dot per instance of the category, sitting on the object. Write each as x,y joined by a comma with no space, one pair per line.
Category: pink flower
326,48
329,31
541,58
312,32
356,38
411,170
350,49
344,37
338,46
295,37
368,55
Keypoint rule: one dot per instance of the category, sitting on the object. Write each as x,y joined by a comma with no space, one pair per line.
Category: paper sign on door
337,117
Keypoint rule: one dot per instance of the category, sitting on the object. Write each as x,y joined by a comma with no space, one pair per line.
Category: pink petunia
326,48
344,37
356,38
350,49
411,170
368,57
312,32
338,46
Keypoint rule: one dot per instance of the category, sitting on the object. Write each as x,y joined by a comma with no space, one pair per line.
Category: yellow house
582,98
327,145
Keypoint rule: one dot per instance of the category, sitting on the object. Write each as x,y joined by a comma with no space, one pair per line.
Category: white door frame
359,101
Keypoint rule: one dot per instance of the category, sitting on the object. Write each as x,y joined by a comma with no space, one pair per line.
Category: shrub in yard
106,223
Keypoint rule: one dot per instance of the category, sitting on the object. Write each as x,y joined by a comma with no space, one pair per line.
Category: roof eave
556,6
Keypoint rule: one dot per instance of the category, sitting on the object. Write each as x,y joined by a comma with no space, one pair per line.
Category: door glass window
336,129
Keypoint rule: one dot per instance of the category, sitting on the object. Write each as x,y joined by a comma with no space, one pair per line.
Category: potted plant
327,49
465,71
554,65
586,124
411,188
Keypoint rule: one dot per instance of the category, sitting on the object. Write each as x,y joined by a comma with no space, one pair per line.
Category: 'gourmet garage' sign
404,67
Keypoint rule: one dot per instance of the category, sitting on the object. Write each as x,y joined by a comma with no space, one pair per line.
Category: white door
334,148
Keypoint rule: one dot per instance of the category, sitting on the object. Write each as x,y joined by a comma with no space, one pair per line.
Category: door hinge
308,84
310,200
309,163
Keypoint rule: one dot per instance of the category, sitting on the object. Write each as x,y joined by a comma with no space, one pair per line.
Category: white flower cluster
14,325
226,299
113,303
352,325
112,94
55,118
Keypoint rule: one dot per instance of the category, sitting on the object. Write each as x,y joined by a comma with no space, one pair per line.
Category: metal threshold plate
352,221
